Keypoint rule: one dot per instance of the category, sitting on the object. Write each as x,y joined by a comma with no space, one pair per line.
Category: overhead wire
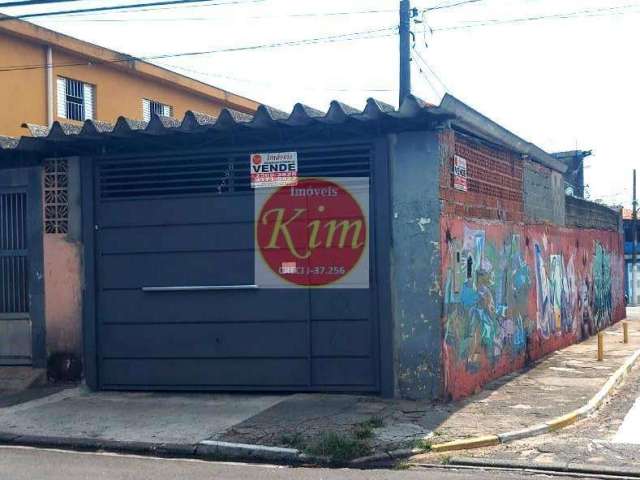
250,17
27,3
376,33
271,84
113,8
593,12
426,77
452,5
431,70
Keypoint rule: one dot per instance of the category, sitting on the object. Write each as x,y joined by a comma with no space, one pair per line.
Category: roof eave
470,119
121,61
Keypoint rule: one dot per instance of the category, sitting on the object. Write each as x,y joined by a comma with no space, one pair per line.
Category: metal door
176,303
15,321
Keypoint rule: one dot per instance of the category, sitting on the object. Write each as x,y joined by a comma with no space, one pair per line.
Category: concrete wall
514,293
119,89
23,91
120,93
544,196
63,276
518,284
416,299
585,214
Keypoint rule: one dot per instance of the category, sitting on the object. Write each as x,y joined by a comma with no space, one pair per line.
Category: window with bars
76,99
150,107
56,196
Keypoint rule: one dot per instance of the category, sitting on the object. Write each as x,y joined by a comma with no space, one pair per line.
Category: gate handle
199,288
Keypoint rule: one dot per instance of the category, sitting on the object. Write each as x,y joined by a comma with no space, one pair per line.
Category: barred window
56,196
76,99
150,107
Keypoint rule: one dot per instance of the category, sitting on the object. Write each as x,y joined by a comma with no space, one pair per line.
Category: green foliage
364,430
423,444
338,448
294,440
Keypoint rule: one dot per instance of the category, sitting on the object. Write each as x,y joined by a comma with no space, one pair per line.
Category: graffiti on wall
486,290
514,293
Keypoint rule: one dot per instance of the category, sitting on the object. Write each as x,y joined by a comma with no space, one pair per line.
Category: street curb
577,468
552,425
246,451
206,449
466,444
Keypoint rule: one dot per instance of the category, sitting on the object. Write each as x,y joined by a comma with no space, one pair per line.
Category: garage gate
177,307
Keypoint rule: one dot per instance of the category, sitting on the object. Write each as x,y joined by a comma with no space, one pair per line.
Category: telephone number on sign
319,270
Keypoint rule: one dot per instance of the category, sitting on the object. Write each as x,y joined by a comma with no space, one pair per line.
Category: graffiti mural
486,297
514,293
602,303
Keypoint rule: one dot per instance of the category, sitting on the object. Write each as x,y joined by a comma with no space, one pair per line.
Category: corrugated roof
8,142
414,114
266,117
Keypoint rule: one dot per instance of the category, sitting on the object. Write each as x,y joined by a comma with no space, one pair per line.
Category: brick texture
494,180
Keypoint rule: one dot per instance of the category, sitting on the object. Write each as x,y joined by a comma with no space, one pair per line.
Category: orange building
47,77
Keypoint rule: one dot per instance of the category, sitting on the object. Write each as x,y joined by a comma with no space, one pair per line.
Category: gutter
474,121
49,82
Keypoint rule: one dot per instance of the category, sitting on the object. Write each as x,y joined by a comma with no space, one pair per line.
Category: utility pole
634,244
405,49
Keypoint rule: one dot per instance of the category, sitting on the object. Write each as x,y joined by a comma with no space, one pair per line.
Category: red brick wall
494,179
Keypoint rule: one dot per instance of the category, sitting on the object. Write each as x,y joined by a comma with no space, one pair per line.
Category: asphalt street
629,431
36,464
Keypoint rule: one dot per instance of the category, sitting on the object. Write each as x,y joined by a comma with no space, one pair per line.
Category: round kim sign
315,234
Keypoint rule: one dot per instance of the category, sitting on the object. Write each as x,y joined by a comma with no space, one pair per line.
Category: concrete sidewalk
562,382
338,426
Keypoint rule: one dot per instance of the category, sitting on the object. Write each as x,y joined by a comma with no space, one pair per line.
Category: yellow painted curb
550,426
563,421
475,442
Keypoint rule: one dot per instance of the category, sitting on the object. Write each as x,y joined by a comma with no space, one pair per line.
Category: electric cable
377,33
119,7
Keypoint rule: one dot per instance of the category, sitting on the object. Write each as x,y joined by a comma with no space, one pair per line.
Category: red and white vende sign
460,173
274,169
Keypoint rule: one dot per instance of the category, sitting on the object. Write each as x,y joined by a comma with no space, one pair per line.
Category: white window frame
88,106
150,107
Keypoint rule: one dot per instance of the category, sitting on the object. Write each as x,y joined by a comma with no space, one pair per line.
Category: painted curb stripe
476,442
524,433
563,421
550,426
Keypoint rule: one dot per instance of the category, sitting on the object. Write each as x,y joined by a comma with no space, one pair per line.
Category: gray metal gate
181,222
15,322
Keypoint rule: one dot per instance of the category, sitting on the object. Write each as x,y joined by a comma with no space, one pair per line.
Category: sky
564,83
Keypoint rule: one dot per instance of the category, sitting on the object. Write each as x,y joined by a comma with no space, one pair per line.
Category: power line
576,14
170,7
26,3
433,72
452,5
253,17
378,33
426,77
120,7
271,84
